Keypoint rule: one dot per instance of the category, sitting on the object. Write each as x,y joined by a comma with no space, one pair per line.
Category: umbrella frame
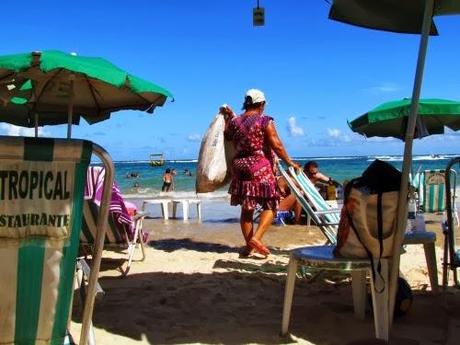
403,195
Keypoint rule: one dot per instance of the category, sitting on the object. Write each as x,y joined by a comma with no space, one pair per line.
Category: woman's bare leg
265,220
247,224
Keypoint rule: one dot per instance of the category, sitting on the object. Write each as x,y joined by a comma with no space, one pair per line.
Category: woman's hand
227,112
296,167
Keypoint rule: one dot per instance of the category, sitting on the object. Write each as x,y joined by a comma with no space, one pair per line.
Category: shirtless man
167,181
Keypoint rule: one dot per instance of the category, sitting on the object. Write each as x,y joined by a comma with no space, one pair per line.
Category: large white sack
215,159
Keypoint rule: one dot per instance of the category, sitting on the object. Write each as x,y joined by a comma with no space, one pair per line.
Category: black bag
379,177
404,298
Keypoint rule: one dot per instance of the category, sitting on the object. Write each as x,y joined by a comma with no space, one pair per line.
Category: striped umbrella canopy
64,87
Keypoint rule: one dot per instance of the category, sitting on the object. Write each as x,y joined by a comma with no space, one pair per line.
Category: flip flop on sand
258,247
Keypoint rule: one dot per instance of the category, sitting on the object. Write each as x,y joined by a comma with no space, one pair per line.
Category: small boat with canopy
157,159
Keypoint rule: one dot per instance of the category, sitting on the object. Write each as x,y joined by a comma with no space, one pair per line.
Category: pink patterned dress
253,180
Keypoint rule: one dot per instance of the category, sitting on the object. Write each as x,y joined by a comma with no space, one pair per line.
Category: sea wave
414,158
147,193
325,158
183,161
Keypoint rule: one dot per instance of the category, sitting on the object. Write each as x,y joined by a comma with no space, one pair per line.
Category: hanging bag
215,157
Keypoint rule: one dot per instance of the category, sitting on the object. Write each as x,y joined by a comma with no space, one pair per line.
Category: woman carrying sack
253,182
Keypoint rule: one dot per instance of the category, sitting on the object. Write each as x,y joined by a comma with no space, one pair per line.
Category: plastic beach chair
321,257
41,199
124,231
328,218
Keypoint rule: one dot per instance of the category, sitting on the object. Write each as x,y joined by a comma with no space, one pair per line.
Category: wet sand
194,288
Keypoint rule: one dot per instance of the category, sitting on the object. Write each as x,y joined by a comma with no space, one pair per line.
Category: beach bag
367,224
368,219
215,158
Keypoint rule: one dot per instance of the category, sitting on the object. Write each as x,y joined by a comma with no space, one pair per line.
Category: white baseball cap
257,96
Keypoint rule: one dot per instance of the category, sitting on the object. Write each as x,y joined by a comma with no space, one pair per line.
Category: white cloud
194,137
15,131
333,132
385,87
293,129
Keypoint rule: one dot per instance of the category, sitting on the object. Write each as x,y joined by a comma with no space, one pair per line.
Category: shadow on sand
244,305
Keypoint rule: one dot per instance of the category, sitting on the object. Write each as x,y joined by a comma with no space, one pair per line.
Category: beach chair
451,249
322,213
124,231
41,198
432,190
322,258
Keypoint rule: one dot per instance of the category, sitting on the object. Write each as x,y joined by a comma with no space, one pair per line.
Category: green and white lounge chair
433,191
431,188
41,199
323,214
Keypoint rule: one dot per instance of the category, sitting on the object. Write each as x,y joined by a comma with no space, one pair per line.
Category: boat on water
157,160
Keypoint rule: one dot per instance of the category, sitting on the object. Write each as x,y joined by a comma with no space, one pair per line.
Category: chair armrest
331,211
139,215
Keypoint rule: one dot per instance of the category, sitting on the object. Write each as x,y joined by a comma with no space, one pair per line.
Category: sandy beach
193,288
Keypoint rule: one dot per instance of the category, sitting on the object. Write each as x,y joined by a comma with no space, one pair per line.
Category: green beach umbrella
66,85
390,119
393,15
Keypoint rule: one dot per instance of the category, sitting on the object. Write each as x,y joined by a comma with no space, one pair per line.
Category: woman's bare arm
277,146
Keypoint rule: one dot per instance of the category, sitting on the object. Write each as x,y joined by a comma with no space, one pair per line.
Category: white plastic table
185,207
164,205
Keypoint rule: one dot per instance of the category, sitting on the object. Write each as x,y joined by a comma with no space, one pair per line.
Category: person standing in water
167,181
253,182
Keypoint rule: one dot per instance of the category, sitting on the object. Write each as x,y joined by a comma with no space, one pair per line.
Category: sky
316,73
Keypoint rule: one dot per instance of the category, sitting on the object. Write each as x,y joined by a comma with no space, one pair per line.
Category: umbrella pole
70,108
402,202
36,124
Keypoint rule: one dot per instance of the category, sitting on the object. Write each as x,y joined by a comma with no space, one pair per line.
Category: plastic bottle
339,192
411,213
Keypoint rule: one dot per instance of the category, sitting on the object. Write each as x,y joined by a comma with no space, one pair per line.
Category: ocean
148,182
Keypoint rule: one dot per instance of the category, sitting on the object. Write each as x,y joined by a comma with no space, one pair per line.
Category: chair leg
380,302
185,209
445,263
142,247
165,209
456,282
198,210
288,294
358,283
430,256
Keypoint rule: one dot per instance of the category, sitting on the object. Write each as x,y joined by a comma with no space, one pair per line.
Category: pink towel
93,191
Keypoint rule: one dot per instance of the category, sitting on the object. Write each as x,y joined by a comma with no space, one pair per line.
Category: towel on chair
93,191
